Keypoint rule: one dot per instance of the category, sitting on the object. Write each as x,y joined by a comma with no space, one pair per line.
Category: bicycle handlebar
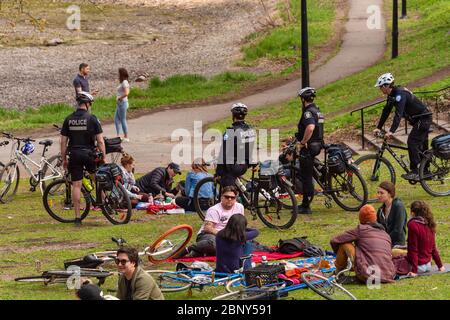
4,143
11,136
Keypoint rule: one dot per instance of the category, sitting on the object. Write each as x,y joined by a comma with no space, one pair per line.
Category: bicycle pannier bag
107,174
113,145
338,157
441,146
293,245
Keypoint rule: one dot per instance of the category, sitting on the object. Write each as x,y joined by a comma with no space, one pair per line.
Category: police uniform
311,115
81,128
409,106
236,153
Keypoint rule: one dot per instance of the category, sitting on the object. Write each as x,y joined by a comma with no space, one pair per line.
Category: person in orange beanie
368,247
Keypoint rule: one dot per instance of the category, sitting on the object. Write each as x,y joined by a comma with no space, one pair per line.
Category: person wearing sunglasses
215,220
134,282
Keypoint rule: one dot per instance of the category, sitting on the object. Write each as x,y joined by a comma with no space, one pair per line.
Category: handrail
381,101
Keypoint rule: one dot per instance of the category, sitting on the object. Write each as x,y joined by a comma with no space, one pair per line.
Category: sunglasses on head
121,261
229,197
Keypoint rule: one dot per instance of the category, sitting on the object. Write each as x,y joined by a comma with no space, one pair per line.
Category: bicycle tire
326,287
361,199
33,279
57,163
202,206
167,253
366,166
10,185
264,199
252,293
234,283
54,189
115,203
438,172
167,280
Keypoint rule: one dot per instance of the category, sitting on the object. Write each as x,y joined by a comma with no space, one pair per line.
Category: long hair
389,187
200,165
422,209
126,159
123,74
235,229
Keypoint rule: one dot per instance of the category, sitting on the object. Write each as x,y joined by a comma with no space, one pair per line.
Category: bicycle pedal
32,189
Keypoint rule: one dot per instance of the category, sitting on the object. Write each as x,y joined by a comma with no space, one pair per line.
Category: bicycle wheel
275,212
57,164
235,285
58,203
375,170
9,182
326,287
169,281
170,243
203,204
116,205
434,174
348,189
253,293
33,279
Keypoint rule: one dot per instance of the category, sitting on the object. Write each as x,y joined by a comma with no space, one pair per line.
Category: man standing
134,282
79,133
310,137
237,147
81,82
159,181
216,219
406,105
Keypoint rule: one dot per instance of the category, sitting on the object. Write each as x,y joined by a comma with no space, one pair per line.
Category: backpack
293,245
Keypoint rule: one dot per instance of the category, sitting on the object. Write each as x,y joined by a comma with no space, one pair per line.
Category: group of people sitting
387,242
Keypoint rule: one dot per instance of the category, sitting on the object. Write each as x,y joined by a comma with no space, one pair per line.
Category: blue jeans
120,118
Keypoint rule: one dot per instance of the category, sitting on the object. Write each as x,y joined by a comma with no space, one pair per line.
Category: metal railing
418,93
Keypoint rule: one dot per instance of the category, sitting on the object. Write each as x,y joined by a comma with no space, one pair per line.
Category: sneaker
77,222
304,210
410,176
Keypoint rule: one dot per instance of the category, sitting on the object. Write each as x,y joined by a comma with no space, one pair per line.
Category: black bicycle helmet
307,93
84,97
313,251
239,109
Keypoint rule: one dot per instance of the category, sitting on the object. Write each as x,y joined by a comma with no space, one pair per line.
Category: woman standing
392,214
120,118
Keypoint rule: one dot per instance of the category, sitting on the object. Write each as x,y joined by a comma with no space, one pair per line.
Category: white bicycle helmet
307,92
84,97
386,78
239,109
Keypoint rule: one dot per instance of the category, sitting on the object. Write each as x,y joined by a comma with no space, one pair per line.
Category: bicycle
110,196
48,168
262,200
376,168
64,276
339,181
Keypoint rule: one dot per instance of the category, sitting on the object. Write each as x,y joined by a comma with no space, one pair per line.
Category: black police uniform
409,106
311,115
236,152
81,128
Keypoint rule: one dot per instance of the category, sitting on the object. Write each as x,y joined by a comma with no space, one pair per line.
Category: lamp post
305,56
395,29
403,9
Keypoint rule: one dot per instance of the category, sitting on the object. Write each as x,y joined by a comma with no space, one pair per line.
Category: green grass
188,88
424,44
29,234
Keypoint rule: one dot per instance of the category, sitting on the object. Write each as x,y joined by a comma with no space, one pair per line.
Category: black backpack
293,245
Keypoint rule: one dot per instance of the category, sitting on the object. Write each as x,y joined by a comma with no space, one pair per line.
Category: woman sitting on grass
421,242
129,182
392,214
232,243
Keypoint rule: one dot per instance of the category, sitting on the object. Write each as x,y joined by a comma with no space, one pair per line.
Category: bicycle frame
199,279
390,148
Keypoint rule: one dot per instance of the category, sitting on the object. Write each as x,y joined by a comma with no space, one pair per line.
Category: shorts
80,160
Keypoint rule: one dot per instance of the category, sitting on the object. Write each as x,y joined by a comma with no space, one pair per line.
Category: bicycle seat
46,143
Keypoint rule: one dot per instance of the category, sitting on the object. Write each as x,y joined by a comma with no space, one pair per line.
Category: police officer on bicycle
237,147
310,142
79,135
418,115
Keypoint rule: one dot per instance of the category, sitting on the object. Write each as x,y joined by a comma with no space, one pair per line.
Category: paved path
150,134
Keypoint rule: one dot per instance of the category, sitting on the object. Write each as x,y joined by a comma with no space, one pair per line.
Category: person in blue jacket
232,243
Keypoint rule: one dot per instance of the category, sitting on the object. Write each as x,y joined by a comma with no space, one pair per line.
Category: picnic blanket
257,257
434,270
163,208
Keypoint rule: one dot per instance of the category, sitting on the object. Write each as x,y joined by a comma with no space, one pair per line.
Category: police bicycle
48,169
260,195
337,176
434,168
106,193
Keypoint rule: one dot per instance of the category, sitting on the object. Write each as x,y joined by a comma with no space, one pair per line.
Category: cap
367,214
175,167
89,292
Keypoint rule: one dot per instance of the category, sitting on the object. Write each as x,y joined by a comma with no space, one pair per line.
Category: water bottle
264,260
87,184
240,185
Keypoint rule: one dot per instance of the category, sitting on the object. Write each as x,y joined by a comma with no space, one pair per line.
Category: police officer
79,134
237,147
310,142
406,105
